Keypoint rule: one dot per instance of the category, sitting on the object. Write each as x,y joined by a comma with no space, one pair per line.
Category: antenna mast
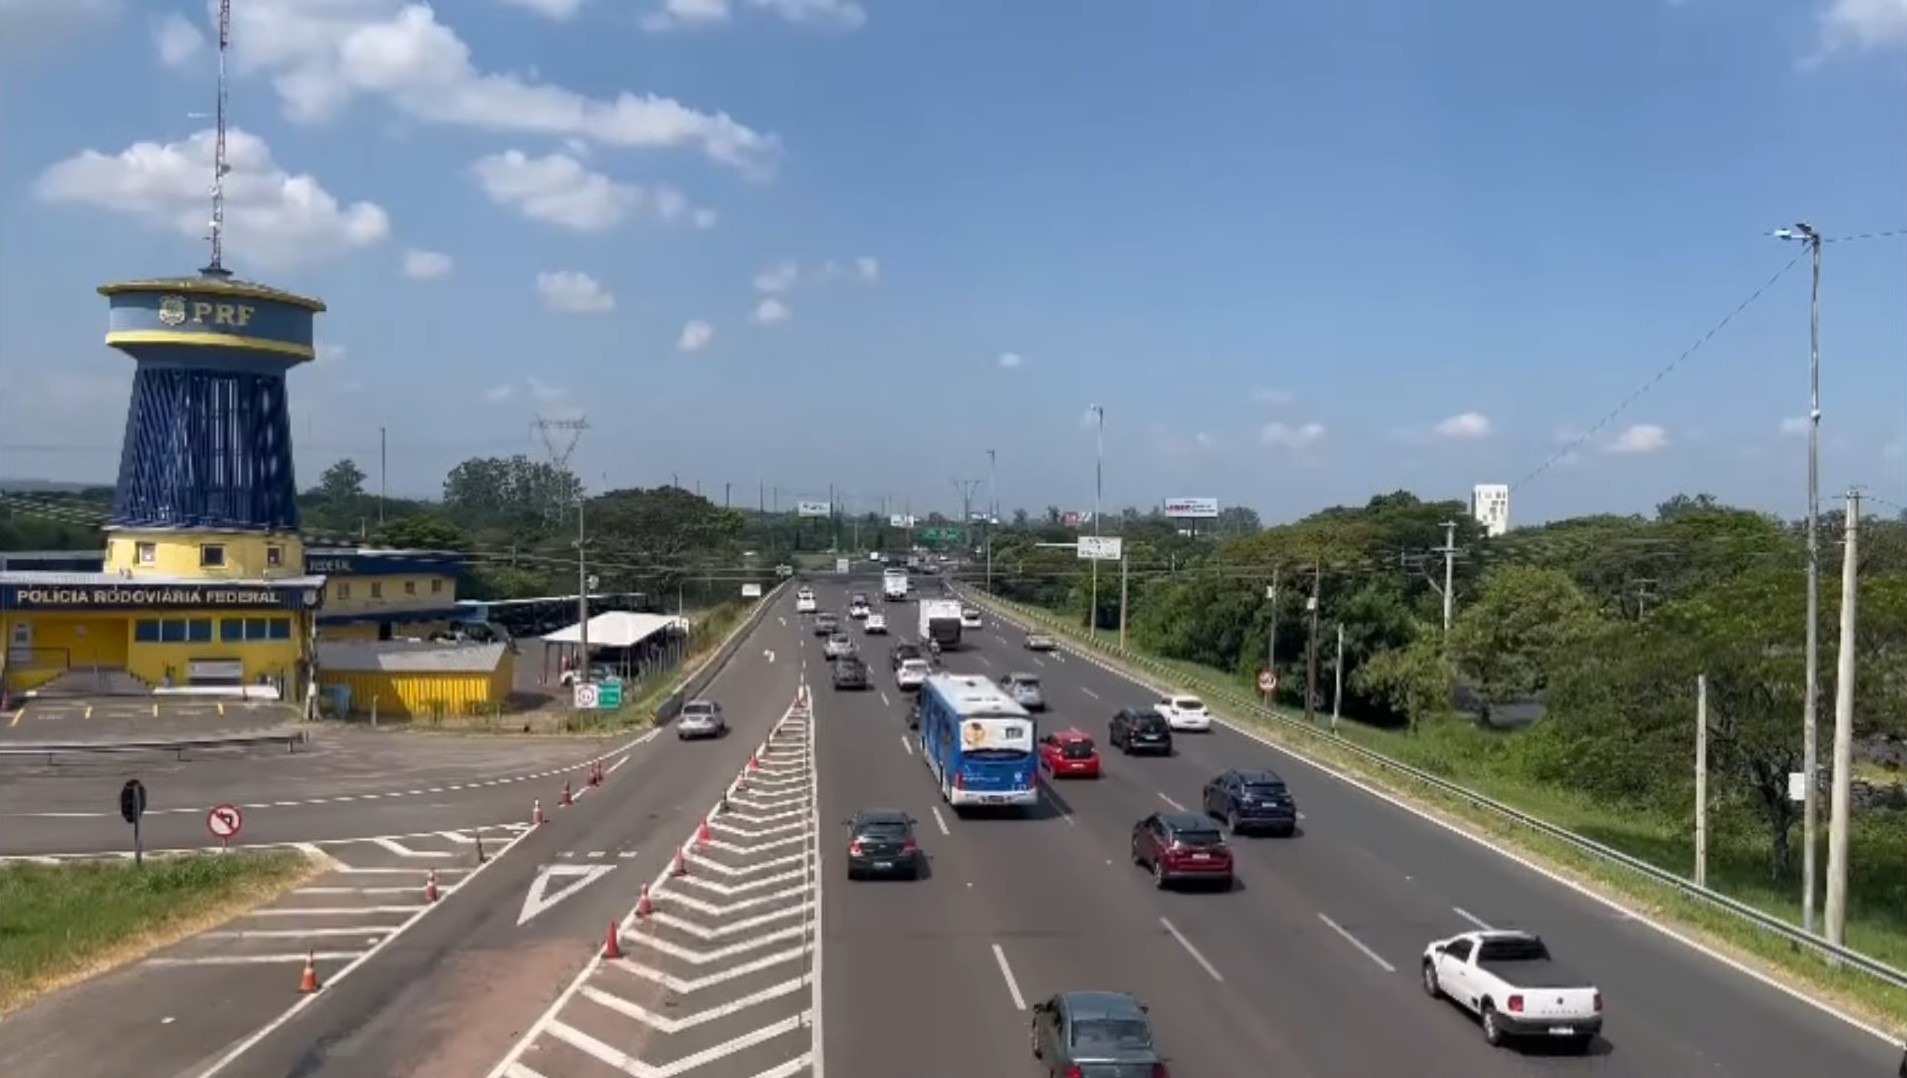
220,167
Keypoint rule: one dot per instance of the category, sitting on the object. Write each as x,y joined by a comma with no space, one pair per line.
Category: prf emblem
172,310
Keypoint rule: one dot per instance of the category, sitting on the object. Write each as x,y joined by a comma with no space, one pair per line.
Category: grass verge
1461,754
60,924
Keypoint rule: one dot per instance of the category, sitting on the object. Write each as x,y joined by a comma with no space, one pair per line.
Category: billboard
900,520
1070,520
1191,508
813,509
1101,547
751,591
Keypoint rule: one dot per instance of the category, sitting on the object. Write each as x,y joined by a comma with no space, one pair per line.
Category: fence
1243,703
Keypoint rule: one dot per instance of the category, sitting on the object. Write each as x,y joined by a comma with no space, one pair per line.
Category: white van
804,601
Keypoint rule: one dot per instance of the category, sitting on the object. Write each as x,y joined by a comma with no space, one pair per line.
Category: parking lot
127,718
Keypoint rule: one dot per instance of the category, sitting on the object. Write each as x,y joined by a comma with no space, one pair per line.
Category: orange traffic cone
612,945
308,983
681,866
644,907
568,798
430,886
754,761
536,812
702,834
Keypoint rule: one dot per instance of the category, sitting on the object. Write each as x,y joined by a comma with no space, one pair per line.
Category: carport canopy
617,629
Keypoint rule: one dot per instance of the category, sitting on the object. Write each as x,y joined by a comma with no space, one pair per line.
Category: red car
1069,754
1182,847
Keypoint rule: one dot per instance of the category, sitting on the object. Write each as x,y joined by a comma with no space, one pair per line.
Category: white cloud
499,394
1273,397
560,190
696,336
1795,425
844,14
1292,436
570,292
544,393
271,216
322,56
868,267
770,311
1469,426
686,15
426,265
178,39
1863,24
554,10
534,388
1010,360
1641,438
331,353
778,278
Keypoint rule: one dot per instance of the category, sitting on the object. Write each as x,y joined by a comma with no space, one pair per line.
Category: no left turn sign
225,822
1267,681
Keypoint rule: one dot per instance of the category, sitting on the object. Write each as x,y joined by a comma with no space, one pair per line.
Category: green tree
1522,621
424,532
342,484
1413,680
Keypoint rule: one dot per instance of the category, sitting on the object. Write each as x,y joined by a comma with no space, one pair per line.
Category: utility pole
1311,645
1701,780
834,528
1449,549
727,489
1843,726
1271,638
1125,566
559,439
966,487
1811,703
1099,497
383,474
1337,681
993,521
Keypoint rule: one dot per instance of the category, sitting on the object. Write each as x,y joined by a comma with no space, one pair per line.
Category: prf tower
206,488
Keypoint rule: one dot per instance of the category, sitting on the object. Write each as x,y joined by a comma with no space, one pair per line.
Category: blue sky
1300,253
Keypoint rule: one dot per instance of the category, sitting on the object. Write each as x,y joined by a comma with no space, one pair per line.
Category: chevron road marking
732,872
682,986
667,1025
718,844
402,850
677,897
630,1065
696,957
791,814
670,920
727,889
723,823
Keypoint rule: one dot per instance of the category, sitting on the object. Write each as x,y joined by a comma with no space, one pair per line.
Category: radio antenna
220,166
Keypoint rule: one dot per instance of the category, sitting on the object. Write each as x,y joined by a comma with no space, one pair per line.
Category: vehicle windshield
1513,950
694,710
1026,683
1189,703
1264,789
1198,838
1112,1034
1149,720
916,666
883,829
1077,750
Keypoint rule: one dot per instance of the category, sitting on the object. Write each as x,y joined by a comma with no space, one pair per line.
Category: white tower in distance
1490,505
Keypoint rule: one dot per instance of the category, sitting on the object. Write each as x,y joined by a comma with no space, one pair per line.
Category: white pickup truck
1513,986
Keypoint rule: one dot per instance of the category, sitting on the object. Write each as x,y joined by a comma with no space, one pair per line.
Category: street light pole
1099,493
1811,704
993,510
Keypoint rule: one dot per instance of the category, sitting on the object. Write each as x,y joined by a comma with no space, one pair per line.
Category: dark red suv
1182,847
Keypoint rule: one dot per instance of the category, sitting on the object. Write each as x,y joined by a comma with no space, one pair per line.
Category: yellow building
386,594
414,680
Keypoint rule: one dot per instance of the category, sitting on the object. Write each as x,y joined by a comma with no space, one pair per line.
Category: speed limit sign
1267,681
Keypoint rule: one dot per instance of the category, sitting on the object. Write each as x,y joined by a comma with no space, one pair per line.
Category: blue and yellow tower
204,581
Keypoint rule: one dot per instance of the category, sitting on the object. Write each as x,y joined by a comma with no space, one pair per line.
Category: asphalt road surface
445,990
1309,967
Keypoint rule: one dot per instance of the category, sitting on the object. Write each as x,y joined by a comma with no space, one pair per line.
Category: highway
1309,967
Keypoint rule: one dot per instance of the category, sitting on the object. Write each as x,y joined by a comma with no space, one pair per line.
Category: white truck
940,621
1513,986
894,585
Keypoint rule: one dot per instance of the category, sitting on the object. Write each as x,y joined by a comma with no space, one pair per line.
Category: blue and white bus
978,742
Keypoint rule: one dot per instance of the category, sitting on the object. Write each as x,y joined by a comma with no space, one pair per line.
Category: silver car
1025,690
700,719
838,645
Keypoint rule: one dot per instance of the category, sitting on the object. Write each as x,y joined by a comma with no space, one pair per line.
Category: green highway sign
609,696
940,535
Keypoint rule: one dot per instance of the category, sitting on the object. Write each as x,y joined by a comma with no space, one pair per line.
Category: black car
826,624
1095,1033
850,673
900,653
1140,730
881,843
1251,801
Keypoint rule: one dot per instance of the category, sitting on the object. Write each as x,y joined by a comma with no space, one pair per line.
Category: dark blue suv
1251,801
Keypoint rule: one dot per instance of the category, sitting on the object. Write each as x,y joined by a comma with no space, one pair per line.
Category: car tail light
910,846
1598,1003
1074,1072
854,848
1516,1004
1159,1071
960,781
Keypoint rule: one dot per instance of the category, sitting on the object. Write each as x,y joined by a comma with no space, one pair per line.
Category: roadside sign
132,801
225,822
751,591
586,696
609,695
1101,547
1267,681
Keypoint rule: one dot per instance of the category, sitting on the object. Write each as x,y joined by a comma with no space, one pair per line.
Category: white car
837,646
804,602
912,674
1513,986
700,719
858,610
970,617
875,623
1185,713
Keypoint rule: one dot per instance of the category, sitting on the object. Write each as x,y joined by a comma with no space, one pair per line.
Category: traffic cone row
568,798
430,886
681,865
702,834
596,774
612,944
644,907
536,812
754,761
308,983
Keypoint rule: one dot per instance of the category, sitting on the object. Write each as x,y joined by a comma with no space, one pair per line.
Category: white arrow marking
539,897
671,1026
768,653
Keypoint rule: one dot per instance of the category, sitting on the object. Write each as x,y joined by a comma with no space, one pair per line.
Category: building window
145,631
243,630
274,556
173,631
212,556
410,587
147,553
344,591
377,589
436,586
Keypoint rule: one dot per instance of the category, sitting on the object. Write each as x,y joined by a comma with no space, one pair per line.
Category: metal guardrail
178,745
698,679
1864,963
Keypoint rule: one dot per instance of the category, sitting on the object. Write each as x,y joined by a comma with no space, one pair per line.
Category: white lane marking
984,660
614,766
1204,964
331,911
1012,985
1175,805
1358,943
884,700
295,933
443,889
906,745
1481,924
939,820
353,957
1089,692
